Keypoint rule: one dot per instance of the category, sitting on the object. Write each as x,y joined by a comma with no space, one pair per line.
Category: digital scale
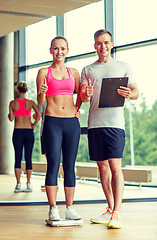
64,223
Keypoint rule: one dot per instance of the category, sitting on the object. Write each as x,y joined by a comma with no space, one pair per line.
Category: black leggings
61,134
23,137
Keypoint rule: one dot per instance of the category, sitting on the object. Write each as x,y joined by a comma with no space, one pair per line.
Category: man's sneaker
104,218
71,214
43,189
54,214
28,187
115,221
17,188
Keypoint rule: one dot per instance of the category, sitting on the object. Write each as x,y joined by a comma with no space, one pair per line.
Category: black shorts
106,143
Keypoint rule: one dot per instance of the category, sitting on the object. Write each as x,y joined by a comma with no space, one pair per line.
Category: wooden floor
28,222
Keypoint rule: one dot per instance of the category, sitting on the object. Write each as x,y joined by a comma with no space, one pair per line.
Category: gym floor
139,213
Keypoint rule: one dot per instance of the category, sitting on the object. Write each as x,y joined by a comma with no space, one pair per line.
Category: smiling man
106,134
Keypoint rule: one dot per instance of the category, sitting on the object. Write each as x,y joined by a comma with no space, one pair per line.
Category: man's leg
117,189
117,182
105,177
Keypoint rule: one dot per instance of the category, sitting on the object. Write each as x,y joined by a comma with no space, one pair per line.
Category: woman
61,130
23,135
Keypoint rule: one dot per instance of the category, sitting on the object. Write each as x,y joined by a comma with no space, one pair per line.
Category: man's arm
134,91
130,92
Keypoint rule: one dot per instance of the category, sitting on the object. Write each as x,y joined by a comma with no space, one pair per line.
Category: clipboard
108,93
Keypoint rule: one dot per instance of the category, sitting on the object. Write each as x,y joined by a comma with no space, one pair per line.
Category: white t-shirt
105,117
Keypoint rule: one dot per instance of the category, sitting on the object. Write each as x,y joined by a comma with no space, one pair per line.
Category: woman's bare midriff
60,106
23,122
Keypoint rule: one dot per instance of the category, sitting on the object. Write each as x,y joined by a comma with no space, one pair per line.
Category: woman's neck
22,96
58,66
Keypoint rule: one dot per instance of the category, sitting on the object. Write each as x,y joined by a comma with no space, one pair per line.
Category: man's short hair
101,32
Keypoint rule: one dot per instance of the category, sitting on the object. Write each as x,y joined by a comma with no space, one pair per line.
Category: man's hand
86,91
89,89
124,91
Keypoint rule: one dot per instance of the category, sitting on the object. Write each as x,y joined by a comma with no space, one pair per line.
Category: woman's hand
44,87
33,126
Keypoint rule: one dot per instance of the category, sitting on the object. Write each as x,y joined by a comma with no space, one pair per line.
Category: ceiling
17,14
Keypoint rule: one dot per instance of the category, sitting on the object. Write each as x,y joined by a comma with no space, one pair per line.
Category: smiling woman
61,126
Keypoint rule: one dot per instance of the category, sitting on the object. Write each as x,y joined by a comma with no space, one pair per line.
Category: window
135,20
143,63
38,39
80,26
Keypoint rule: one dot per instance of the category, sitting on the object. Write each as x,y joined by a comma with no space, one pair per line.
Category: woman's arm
41,85
37,113
77,87
11,113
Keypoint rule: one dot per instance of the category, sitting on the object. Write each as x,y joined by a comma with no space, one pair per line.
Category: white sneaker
17,188
29,187
104,218
54,214
70,213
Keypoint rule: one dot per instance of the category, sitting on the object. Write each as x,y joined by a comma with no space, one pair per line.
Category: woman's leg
29,174
52,136
18,147
51,192
28,146
70,147
18,174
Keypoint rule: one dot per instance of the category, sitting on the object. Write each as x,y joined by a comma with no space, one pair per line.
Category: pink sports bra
60,87
22,111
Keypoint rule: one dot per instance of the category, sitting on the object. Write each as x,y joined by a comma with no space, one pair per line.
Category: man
106,135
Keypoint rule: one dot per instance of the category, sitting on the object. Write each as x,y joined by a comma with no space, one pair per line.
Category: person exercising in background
23,134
